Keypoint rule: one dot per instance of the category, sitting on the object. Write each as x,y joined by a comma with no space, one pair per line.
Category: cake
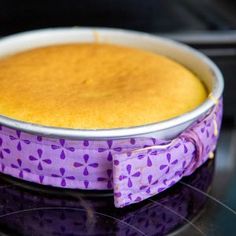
95,86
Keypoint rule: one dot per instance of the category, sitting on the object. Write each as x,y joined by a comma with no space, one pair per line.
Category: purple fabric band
136,168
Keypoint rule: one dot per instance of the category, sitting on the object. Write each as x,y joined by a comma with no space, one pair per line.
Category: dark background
144,15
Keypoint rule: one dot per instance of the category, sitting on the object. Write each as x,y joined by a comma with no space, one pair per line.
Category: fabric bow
145,172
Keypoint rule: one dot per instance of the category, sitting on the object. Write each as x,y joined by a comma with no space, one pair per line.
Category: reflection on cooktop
27,209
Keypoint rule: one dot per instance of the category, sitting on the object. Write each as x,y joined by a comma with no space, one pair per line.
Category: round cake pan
198,63
127,160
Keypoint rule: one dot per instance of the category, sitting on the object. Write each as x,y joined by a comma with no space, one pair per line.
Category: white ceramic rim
216,92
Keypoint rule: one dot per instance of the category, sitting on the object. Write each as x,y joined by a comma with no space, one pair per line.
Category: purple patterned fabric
136,168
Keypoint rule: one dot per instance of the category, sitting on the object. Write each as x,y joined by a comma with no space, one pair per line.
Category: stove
30,210
201,204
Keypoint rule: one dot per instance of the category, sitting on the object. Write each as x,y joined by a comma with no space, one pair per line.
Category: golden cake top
95,86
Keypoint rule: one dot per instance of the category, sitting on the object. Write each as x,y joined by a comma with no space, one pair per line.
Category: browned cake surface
92,86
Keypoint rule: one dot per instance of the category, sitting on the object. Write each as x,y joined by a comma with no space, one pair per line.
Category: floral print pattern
106,164
63,148
19,141
40,159
63,177
3,150
86,164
